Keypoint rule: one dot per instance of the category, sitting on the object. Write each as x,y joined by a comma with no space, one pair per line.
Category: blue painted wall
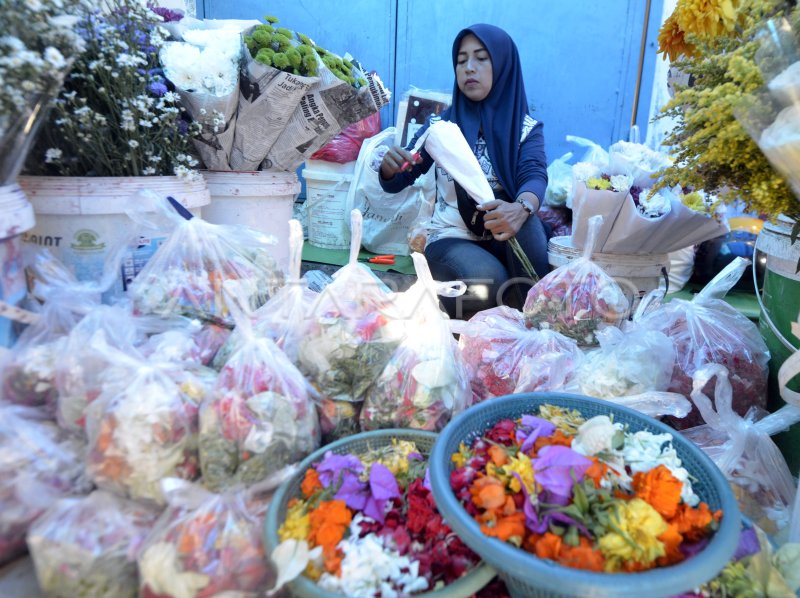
580,57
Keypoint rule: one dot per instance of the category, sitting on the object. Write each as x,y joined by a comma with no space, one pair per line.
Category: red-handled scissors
387,260
406,164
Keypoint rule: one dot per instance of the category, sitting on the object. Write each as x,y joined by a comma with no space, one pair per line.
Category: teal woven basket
356,444
526,575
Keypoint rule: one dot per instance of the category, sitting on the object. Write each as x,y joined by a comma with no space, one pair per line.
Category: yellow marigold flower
672,40
521,464
297,524
459,459
706,18
566,420
637,526
394,457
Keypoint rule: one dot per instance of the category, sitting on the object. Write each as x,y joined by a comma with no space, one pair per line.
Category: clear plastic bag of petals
184,339
577,299
87,546
84,368
631,368
206,545
39,463
29,373
347,340
187,273
280,319
142,431
707,330
504,356
742,449
259,418
425,381
626,363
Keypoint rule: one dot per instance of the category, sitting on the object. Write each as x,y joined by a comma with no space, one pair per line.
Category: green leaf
572,537
579,498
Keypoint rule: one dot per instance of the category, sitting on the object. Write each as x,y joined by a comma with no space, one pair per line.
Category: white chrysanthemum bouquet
619,186
204,68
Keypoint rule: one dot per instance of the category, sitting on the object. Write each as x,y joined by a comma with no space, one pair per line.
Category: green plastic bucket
780,308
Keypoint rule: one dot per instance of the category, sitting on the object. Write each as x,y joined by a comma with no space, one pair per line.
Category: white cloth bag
388,217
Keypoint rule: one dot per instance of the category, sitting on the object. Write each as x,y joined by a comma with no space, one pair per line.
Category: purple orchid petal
748,544
426,481
353,491
558,468
532,521
382,482
375,509
538,427
690,550
331,466
415,457
555,499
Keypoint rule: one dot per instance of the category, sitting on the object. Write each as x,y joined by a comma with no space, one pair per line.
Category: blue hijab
502,112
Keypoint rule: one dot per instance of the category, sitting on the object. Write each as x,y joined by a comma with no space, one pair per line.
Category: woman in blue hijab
466,242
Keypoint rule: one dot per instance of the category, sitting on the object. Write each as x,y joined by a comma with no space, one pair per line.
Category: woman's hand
397,160
502,218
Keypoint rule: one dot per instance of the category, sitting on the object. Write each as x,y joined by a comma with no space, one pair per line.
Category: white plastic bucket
81,219
326,204
263,200
636,274
16,217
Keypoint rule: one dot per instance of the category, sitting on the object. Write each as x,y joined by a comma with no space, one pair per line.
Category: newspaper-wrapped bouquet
287,99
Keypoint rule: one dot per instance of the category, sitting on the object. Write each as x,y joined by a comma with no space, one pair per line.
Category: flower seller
491,109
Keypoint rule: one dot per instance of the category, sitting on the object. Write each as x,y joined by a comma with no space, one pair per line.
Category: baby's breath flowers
116,115
37,45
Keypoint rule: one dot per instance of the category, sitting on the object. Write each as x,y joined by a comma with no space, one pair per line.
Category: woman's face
473,68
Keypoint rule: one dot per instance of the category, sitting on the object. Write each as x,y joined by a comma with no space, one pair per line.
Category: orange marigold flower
672,540
498,455
672,40
692,523
548,546
556,438
310,483
507,527
530,542
329,522
660,489
597,471
332,559
707,18
583,556
488,493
